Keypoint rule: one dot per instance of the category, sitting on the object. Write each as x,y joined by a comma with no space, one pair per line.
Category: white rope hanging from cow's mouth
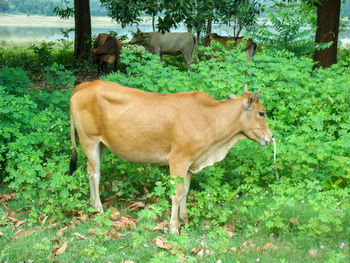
274,159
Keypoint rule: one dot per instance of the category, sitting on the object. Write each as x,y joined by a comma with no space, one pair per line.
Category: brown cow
106,50
187,131
250,46
168,43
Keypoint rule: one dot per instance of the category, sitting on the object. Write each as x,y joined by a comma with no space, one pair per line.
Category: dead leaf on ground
55,248
161,242
62,231
294,221
62,249
114,234
6,197
270,246
204,253
23,233
19,223
195,250
92,231
136,206
80,236
109,200
1,234
128,261
12,219
313,252
230,229
162,226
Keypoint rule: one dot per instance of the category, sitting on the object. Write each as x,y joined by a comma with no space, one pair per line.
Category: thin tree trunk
82,41
209,25
328,13
153,25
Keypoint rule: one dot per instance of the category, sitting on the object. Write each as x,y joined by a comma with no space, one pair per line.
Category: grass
246,240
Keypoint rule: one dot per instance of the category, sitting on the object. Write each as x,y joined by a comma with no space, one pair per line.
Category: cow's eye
261,113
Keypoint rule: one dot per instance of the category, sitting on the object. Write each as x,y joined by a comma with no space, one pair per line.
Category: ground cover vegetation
238,212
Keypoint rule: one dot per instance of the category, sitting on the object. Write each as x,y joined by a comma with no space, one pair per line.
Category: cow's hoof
184,217
174,229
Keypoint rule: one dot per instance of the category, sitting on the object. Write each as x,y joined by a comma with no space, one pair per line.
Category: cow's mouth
263,142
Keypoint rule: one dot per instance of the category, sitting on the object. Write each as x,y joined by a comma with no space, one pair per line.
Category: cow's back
140,126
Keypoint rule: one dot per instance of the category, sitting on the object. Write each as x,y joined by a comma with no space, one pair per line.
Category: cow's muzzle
266,141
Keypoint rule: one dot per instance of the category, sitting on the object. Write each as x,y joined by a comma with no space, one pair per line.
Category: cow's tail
74,159
195,49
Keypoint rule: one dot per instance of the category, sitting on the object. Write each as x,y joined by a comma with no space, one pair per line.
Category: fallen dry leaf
270,246
62,249
230,229
12,219
6,197
19,223
204,253
114,234
195,250
92,231
1,234
136,206
128,261
162,226
80,236
62,231
313,252
294,221
161,242
55,248
23,233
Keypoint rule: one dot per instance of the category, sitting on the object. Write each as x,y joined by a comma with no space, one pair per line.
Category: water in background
27,33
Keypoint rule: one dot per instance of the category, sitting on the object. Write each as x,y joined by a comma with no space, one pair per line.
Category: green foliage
289,21
57,76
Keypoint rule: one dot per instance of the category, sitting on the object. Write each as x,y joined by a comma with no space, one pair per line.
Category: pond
31,28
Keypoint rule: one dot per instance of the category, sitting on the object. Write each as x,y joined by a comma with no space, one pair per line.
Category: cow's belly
141,150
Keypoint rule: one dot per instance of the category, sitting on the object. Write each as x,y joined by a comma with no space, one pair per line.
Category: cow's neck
229,125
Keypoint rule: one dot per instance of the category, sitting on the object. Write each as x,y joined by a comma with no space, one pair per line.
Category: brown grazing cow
187,131
168,44
106,50
250,46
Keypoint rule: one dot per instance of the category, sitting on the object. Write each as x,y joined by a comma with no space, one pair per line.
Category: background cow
187,131
168,43
250,46
106,50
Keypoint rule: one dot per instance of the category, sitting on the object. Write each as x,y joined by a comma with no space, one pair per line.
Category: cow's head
253,120
139,38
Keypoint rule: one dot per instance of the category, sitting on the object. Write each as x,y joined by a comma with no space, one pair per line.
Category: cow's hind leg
94,151
183,208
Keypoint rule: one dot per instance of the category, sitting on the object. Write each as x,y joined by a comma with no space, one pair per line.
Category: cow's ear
230,97
257,94
248,104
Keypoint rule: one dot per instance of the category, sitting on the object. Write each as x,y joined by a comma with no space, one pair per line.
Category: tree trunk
153,24
82,42
328,13
209,26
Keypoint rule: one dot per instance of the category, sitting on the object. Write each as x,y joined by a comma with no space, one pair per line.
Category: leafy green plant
290,22
57,76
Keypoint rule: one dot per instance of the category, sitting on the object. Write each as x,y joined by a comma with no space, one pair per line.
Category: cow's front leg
178,170
183,208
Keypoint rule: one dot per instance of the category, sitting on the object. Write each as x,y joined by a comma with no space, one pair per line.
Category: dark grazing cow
250,46
106,50
187,131
168,43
